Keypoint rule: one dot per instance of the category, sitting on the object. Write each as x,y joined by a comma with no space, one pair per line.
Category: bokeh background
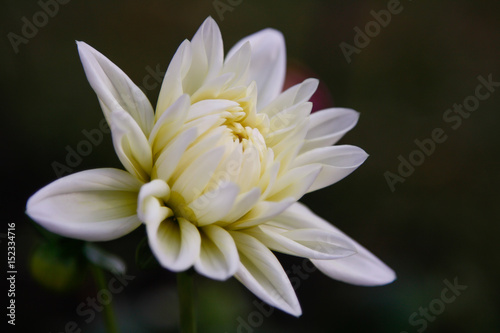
441,224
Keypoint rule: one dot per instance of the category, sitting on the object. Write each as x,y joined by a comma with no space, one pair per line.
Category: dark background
440,224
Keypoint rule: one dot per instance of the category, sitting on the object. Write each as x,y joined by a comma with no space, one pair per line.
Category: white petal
114,88
193,180
200,146
207,56
295,182
131,145
239,64
307,243
215,204
362,268
168,160
218,258
169,124
262,212
296,95
210,106
281,124
93,205
288,148
151,207
266,182
263,275
327,126
214,88
171,88
250,171
175,243
267,65
337,163
243,203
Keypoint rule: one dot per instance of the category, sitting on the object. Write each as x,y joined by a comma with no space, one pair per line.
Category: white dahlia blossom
216,172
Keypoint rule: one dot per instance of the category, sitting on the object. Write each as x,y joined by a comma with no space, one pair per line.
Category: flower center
233,123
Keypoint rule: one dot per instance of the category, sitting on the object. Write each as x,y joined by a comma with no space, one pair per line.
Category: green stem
186,302
109,316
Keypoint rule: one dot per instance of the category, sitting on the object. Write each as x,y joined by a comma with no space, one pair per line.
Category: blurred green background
440,224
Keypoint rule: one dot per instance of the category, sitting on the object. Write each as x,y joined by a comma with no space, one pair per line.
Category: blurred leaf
103,259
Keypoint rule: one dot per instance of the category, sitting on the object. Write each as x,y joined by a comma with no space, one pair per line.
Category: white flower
216,171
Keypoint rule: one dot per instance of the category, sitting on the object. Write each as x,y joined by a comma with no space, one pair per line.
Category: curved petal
295,95
193,180
263,275
171,154
215,204
171,87
170,122
93,205
337,162
242,204
307,243
174,242
267,64
362,268
208,55
327,126
262,211
210,106
239,63
284,122
114,88
151,208
131,145
295,182
218,254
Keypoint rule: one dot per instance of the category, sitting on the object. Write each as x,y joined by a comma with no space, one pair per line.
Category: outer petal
295,95
337,163
327,126
307,243
218,254
93,205
267,65
363,268
114,88
175,243
262,273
